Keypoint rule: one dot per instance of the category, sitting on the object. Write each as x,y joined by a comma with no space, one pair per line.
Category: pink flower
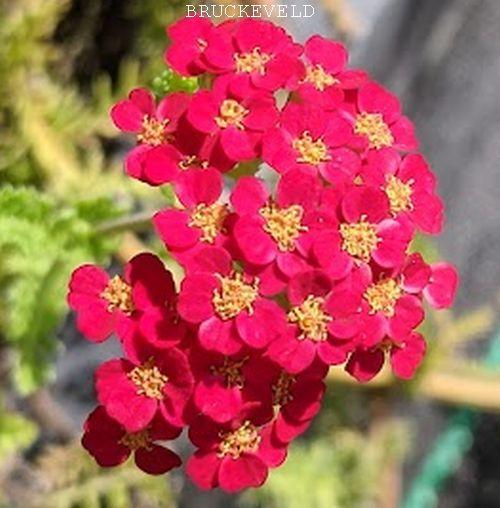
236,124
405,357
203,218
111,445
153,125
141,302
159,383
322,324
325,75
235,455
377,119
277,231
310,139
256,54
189,42
227,305
409,185
442,287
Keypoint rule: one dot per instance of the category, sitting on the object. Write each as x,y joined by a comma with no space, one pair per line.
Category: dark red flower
141,302
111,445
159,382
227,305
233,456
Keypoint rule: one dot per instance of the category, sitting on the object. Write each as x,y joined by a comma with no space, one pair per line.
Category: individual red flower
153,125
295,399
142,301
322,324
189,41
235,455
227,305
366,234
202,221
237,124
324,76
313,140
275,233
159,382
405,357
255,53
111,445
378,121
227,385
409,185
442,287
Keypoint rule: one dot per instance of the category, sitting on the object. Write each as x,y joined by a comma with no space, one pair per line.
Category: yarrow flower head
307,264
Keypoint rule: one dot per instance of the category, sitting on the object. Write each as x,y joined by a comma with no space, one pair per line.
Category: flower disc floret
399,194
311,319
383,296
153,131
319,78
149,380
254,61
359,239
118,294
137,440
231,112
234,296
283,224
231,371
245,439
373,126
311,151
282,389
210,219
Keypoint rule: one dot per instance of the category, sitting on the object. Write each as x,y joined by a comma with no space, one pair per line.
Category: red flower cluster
281,280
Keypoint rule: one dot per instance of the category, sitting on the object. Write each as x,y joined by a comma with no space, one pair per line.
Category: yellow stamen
118,294
231,113
234,296
311,319
359,239
255,61
317,76
190,161
210,219
283,224
137,440
372,126
383,296
311,152
153,131
148,379
231,371
399,194
282,389
245,439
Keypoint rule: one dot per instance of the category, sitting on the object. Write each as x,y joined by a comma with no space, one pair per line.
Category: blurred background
64,200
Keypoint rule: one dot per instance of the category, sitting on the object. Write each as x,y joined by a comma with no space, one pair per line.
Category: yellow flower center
118,294
255,61
311,319
372,126
210,219
283,224
281,390
317,76
311,151
148,379
399,194
383,296
231,371
137,440
153,131
234,296
359,239
245,439
231,112
190,161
